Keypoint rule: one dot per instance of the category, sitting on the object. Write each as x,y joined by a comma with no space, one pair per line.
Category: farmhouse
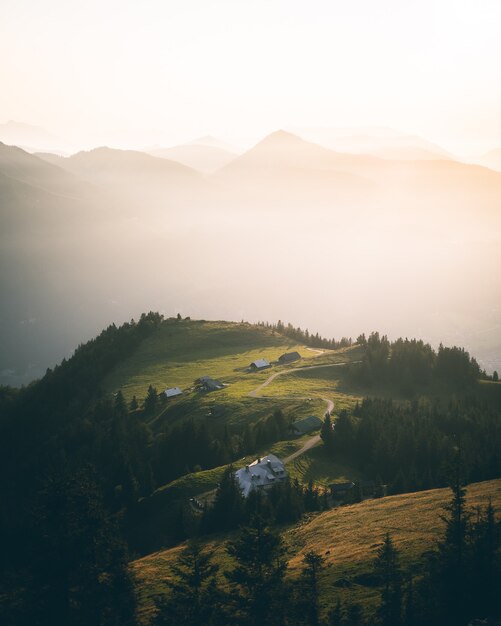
288,357
208,384
261,475
259,364
173,392
306,425
340,490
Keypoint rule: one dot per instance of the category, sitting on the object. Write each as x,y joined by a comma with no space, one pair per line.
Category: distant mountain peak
282,140
281,135
209,141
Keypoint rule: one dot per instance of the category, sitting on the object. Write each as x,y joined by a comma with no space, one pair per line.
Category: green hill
182,351
347,537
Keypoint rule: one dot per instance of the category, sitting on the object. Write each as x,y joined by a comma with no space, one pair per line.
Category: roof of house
260,363
212,384
335,487
173,391
307,424
264,472
289,356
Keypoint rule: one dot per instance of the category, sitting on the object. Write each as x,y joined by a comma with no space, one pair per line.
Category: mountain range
92,237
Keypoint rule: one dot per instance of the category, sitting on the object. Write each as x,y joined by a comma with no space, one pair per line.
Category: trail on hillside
329,402
313,441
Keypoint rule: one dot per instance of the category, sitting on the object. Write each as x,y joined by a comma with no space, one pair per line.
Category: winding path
313,441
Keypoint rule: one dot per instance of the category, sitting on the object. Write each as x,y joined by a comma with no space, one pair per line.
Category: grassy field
347,537
198,483
181,352
326,380
316,465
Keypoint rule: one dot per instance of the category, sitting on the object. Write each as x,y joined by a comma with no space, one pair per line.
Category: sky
165,71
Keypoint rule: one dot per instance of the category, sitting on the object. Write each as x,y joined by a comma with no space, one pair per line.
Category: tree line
304,336
408,446
411,366
454,583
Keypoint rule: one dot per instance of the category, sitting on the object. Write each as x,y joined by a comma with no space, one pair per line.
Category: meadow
347,537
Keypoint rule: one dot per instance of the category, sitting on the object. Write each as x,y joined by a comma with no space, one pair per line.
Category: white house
172,392
261,474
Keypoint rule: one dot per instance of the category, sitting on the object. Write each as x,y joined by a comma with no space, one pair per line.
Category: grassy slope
182,351
316,465
347,537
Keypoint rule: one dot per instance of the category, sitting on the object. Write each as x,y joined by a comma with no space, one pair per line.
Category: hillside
347,537
199,156
102,414
288,213
183,351
44,176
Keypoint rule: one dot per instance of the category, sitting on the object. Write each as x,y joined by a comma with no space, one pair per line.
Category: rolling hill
373,140
147,223
134,176
28,136
347,537
32,170
205,154
183,351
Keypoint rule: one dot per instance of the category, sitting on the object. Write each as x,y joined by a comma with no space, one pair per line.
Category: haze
124,72
379,208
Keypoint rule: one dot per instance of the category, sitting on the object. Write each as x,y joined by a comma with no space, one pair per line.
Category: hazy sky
240,69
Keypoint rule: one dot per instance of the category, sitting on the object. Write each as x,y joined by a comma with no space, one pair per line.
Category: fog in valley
336,242
334,165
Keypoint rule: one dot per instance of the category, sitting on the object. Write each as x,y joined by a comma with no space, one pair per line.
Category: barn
289,357
173,392
259,364
306,425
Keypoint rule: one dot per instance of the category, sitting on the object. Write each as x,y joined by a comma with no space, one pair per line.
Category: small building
306,425
288,357
259,364
173,392
208,384
339,491
262,474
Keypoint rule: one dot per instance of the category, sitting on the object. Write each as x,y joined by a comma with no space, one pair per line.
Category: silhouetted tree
313,564
387,568
257,580
194,596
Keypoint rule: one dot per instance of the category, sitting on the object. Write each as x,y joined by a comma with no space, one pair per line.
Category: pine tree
227,510
485,569
133,406
120,407
409,609
257,580
194,595
313,564
151,401
326,433
387,568
336,615
353,615
80,568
